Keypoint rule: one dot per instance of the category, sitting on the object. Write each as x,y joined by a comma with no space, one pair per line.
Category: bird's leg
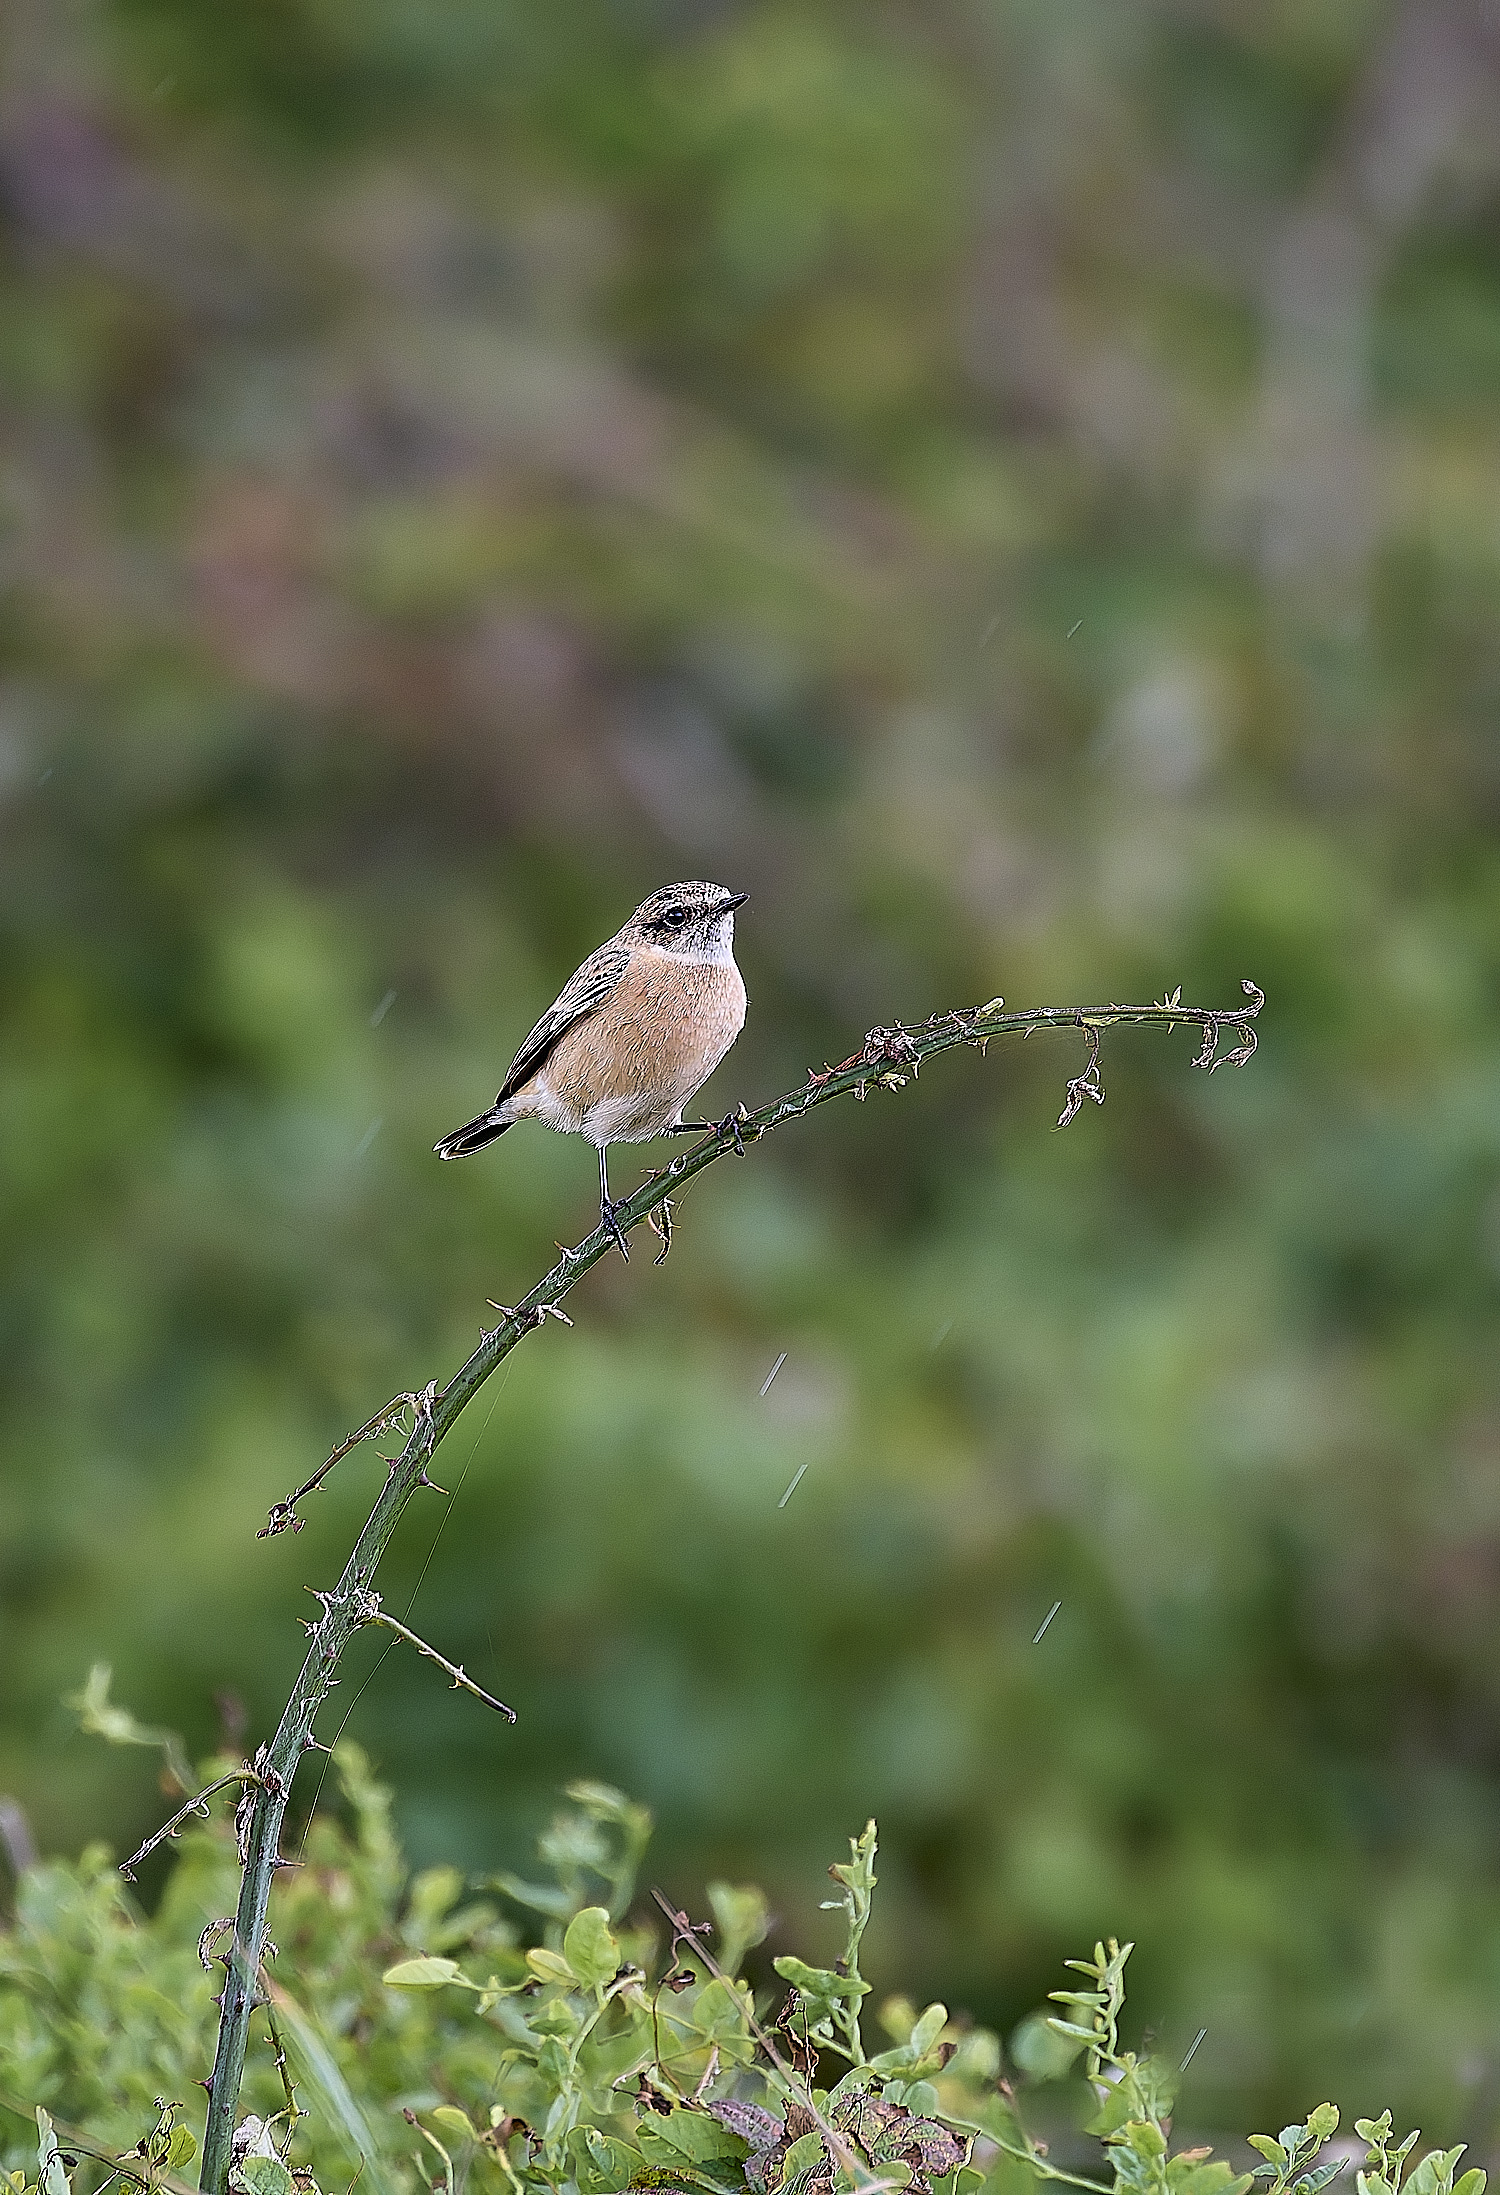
607,1209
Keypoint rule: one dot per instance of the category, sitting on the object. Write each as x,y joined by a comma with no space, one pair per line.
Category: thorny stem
195,1805
374,1613
284,1513
886,1060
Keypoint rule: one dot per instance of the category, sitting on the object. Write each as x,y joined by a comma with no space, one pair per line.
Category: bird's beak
735,899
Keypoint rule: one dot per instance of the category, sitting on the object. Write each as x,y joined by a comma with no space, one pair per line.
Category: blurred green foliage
1014,488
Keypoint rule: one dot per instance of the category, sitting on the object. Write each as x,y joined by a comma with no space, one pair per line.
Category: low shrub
418,2031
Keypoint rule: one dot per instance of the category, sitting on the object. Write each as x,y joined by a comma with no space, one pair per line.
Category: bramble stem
194,1805
461,1679
887,1059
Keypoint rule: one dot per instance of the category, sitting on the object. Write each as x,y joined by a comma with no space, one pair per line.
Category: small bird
633,1034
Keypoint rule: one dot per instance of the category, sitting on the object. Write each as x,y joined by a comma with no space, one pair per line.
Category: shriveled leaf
749,2122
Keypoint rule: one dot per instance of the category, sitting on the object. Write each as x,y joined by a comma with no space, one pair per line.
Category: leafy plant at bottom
417,2036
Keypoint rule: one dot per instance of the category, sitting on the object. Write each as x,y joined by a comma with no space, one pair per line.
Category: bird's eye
675,917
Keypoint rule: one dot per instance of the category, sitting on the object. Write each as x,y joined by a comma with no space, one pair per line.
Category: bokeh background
1016,487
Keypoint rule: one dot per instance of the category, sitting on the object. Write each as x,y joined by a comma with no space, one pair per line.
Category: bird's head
695,921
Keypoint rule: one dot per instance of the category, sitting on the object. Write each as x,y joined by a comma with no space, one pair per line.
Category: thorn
424,1480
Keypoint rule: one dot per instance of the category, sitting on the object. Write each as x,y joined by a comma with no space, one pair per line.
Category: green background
1015,487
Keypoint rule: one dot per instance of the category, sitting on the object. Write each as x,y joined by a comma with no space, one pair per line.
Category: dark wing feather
585,990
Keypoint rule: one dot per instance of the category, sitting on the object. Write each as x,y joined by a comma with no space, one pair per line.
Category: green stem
888,1056
1040,2166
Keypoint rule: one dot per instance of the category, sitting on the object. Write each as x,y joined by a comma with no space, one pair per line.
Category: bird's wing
583,993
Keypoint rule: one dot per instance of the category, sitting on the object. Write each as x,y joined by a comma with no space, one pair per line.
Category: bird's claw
609,1220
733,1126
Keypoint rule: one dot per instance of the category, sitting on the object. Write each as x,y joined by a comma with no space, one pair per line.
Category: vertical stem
340,1620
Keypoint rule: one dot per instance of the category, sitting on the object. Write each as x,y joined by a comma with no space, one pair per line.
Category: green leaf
977,2057
590,1950
927,2030
1270,2149
805,2155
919,2097
265,2176
1434,2175
1144,2139
1323,2121
182,2148
540,1897
1472,2183
699,2136
560,2016
549,1966
424,1974
603,2162
453,2121
819,1981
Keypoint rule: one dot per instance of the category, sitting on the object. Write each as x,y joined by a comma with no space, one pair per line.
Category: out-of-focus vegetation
1014,487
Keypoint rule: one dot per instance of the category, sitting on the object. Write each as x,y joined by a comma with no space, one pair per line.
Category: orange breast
636,1060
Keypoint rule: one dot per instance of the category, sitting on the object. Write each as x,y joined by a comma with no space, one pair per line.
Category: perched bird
634,1033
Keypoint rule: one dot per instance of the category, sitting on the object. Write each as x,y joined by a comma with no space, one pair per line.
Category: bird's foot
733,1126
609,1220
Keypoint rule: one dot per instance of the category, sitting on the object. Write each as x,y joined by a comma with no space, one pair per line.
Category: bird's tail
474,1134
